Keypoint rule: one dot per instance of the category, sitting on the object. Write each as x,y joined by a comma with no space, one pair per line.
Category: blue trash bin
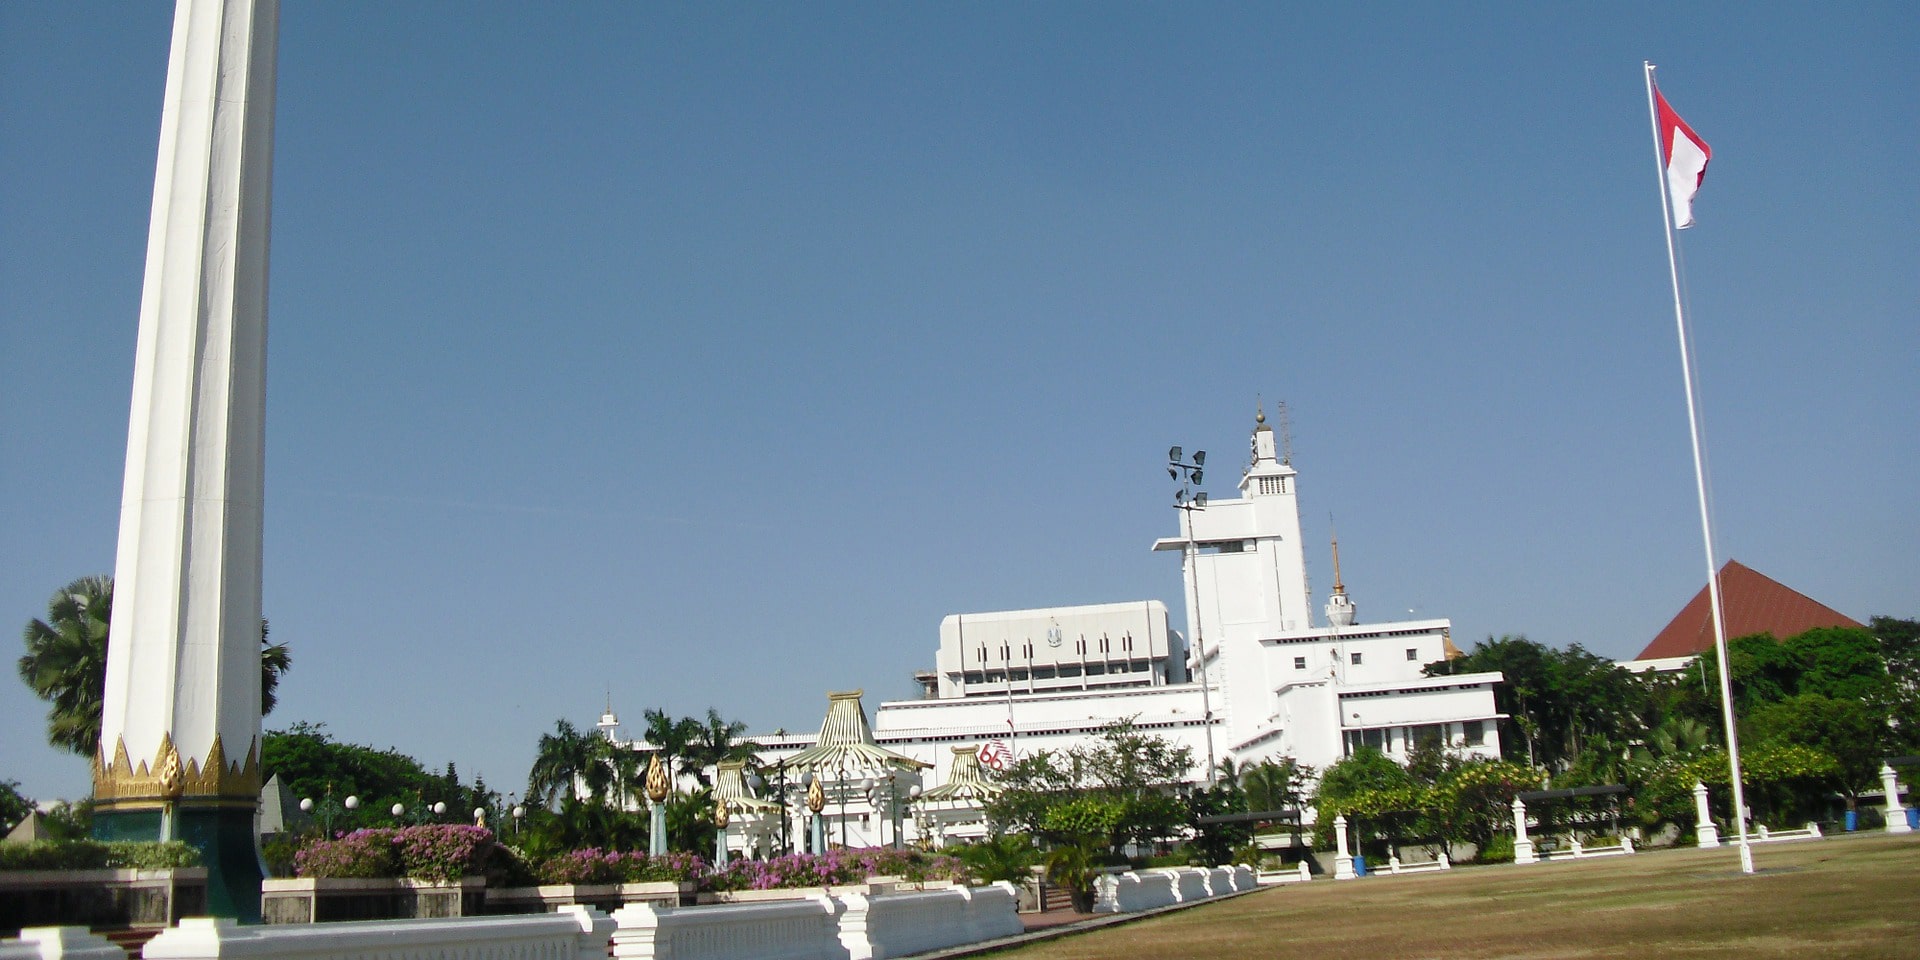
1913,817
1359,866
1853,820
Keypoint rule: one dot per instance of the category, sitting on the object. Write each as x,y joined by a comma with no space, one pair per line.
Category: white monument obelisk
180,725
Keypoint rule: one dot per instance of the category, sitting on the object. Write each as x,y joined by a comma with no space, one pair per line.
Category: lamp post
786,844
1188,500
329,809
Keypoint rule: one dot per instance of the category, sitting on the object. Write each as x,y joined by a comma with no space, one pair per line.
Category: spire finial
1259,409
1338,587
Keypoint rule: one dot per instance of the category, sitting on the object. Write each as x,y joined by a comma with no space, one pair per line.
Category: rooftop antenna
1286,433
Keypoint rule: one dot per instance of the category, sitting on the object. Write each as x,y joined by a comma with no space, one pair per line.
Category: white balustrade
1243,877
898,925
1522,847
803,929
60,943
1890,789
1342,859
574,933
1219,881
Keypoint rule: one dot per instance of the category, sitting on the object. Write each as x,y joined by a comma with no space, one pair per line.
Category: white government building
1261,682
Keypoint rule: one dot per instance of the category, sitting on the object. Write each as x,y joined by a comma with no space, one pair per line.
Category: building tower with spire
1340,608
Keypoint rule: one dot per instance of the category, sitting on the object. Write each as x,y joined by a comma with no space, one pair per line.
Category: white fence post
1342,860
1522,847
1708,834
1896,814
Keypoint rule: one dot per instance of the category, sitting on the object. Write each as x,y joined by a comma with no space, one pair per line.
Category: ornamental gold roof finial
720,814
816,797
173,779
657,783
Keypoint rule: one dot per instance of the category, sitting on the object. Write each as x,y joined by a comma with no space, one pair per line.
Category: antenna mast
1286,433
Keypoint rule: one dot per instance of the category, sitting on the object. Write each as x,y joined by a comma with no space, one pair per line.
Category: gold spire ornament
720,814
816,797
657,782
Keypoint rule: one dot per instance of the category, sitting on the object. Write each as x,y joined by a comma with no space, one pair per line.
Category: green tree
1117,788
718,741
566,758
14,807
66,663
1559,703
674,740
1853,733
313,765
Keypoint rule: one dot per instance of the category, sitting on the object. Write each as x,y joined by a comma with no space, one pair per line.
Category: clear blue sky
711,353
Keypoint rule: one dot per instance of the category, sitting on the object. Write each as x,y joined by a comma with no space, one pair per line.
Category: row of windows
1473,733
1064,670
1079,646
1300,663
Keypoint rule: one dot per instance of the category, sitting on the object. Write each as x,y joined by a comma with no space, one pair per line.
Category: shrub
96,855
360,855
666,868
443,852
591,865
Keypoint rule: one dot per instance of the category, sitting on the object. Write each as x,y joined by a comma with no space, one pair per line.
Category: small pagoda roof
730,788
965,781
846,742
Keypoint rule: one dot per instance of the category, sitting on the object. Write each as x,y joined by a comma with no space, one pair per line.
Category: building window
1430,735
1475,732
1354,658
1126,642
1227,546
981,652
1299,663
1413,653
1080,646
1005,653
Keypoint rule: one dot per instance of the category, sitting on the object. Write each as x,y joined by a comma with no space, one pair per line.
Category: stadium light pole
1187,500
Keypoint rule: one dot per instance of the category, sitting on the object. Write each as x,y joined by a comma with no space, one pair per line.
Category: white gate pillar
1522,847
1342,859
1708,835
1896,814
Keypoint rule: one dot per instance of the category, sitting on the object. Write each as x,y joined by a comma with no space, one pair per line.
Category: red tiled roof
1753,603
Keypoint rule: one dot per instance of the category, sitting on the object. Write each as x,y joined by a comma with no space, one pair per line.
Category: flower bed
835,868
437,853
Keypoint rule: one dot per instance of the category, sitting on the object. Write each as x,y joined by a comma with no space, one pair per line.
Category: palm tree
564,756
66,662
674,739
716,742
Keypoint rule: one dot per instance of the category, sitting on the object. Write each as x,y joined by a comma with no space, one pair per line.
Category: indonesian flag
1686,156
995,756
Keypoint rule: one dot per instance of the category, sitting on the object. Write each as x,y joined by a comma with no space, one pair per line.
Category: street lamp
329,809
1187,500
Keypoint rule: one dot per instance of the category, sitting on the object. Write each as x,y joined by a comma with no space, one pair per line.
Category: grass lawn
1853,896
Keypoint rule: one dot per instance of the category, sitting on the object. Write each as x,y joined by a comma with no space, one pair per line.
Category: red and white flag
1686,155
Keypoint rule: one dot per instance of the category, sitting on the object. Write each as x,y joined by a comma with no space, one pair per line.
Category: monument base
224,835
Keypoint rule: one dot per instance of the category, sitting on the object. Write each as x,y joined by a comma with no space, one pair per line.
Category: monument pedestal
220,830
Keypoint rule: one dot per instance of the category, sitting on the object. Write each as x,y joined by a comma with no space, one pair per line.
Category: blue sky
710,353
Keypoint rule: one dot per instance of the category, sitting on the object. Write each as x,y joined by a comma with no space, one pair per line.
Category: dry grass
1853,897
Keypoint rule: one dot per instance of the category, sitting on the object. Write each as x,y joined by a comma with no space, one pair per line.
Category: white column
1522,847
1896,814
1342,860
183,664
1708,834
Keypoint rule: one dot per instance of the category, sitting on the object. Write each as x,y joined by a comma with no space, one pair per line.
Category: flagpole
1700,484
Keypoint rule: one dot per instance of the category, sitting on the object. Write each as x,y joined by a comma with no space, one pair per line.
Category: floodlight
1173,454
1197,474
1199,457
1200,499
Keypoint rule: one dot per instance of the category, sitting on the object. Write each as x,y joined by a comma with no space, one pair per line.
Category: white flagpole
1700,483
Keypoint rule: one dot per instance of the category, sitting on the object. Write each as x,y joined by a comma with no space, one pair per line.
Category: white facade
1058,649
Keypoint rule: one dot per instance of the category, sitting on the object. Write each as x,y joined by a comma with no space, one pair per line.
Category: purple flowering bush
666,868
588,866
593,865
438,853
834,868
